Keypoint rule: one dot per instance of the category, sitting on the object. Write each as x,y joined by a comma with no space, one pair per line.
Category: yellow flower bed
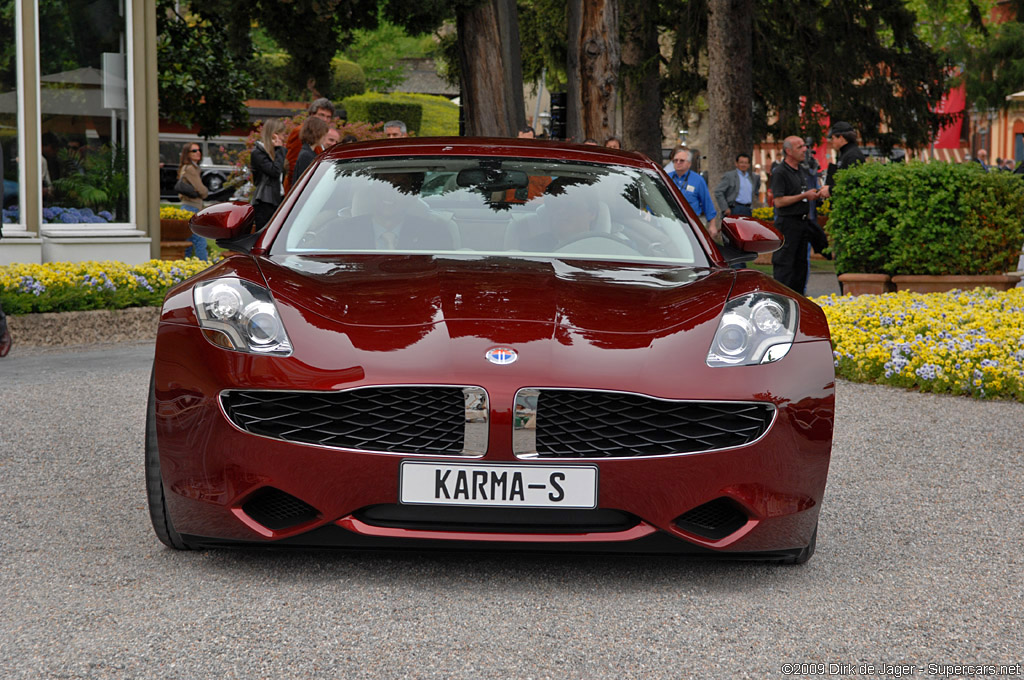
73,286
169,212
962,342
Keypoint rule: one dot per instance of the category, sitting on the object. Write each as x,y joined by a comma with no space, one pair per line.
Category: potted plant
926,227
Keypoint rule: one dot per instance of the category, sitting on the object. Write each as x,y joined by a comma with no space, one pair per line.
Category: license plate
509,486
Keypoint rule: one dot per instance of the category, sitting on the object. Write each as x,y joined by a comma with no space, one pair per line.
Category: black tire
162,524
806,552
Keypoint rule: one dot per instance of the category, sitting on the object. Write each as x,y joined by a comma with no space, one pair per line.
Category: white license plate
518,486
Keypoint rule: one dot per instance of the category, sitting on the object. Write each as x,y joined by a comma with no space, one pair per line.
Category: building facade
78,130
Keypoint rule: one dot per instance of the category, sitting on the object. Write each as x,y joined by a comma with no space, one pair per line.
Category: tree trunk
593,65
730,84
641,94
491,69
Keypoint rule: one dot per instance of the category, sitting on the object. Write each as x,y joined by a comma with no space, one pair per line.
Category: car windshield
490,206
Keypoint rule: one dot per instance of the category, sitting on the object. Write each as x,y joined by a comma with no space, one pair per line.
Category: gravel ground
919,562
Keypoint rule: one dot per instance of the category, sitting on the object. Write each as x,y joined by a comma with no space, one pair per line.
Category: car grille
552,423
395,419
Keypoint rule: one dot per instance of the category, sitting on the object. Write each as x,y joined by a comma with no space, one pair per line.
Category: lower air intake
278,510
715,519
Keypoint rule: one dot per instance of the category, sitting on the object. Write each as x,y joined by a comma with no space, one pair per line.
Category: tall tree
491,70
641,96
730,84
484,56
856,60
593,68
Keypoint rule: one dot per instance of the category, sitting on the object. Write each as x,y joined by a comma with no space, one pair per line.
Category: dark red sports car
488,343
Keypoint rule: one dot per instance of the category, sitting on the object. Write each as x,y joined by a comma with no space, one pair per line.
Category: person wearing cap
843,138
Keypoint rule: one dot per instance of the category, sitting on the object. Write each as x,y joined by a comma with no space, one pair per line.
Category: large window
84,111
9,112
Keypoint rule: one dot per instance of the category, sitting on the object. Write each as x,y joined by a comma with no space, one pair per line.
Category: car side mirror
227,223
746,237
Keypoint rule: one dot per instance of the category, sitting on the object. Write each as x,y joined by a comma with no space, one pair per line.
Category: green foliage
997,68
199,81
934,219
379,50
312,32
347,78
435,116
543,26
376,108
856,60
278,78
98,180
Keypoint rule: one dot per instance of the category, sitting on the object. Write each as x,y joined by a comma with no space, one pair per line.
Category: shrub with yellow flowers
74,286
963,342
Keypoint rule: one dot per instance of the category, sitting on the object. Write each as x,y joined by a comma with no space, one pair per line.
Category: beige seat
361,205
525,226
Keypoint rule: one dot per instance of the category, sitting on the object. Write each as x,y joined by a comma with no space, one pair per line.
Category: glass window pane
8,114
84,111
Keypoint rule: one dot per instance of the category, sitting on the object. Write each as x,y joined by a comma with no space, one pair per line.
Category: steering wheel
599,244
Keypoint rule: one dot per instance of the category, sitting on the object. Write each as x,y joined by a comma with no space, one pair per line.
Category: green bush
347,79
935,219
377,108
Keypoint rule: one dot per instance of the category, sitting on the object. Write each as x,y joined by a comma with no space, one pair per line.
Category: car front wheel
162,524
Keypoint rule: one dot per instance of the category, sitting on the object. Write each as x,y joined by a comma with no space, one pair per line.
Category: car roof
489,147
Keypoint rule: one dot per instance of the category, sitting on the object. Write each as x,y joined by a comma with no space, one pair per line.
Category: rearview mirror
746,237
223,221
492,179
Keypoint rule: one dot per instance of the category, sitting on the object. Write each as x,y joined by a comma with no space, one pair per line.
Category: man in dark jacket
843,138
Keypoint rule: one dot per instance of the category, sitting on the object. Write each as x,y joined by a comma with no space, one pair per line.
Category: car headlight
240,315
755,329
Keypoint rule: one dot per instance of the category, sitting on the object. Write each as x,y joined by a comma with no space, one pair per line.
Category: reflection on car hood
390,291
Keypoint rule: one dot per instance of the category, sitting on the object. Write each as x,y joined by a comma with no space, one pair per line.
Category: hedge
377,108
934,219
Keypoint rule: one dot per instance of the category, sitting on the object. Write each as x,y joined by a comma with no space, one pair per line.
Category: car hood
373,291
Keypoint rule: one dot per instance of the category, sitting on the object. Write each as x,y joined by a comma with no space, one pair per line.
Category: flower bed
961,342
76,286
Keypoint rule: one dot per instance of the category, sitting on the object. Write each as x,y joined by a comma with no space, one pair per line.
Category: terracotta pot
919,283
174,239
866,284
174,230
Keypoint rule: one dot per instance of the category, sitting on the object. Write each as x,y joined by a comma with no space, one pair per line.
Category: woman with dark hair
188,170
268,171
311,135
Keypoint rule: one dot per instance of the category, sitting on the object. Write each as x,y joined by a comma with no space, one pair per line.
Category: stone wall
59,329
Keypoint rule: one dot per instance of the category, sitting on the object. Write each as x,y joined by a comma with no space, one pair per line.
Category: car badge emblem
502,356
